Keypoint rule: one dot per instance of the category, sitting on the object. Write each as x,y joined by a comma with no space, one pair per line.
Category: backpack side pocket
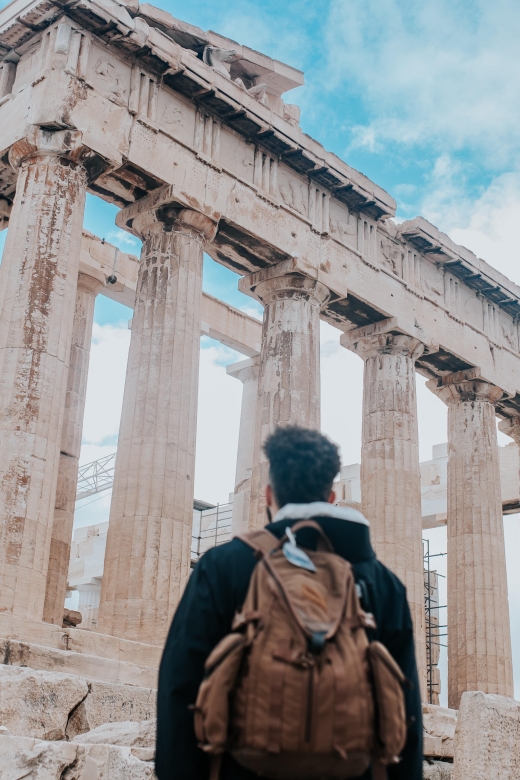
211,710
388,682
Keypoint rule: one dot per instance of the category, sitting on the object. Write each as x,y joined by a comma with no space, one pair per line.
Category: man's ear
332,497
268,495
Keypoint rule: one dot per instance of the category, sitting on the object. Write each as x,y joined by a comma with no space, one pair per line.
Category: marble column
390,474
88,606
289,367
479,641
70,447
147,557
247,372
38,279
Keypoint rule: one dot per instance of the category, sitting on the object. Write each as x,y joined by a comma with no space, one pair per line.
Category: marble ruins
188,134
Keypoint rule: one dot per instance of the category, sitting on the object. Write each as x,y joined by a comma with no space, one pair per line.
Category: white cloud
446,72
220,399
488,224
125,241
491,230
106,380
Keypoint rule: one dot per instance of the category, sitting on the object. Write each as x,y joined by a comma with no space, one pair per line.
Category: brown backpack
296,690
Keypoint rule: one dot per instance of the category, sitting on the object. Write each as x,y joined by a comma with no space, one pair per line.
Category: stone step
54,706
79,641
25,758
110,670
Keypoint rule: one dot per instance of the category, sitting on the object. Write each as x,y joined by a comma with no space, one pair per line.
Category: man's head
302,467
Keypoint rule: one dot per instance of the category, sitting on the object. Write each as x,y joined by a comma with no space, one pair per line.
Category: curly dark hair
302,465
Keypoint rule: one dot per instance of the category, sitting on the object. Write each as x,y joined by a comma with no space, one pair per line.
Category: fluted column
289,369
88,605
390,474
38,279
479,641
70,448
149,537
247,372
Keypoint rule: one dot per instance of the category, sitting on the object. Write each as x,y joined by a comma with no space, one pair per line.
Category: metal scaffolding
433,626
96,476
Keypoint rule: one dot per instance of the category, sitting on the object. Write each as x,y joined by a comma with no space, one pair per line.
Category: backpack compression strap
261,541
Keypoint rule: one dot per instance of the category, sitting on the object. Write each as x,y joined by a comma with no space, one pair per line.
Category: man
302,467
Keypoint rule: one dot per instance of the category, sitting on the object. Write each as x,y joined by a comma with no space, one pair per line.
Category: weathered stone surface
289,364
139,734
38,280
439,730
70,445
94,667
438,770
479,646
38,704
108,703
23,758
148,555
71,618
487,738
51,705
390,474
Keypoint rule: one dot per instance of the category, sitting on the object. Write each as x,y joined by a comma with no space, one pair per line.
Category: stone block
437,770
38,704
487,743
128,733
108,703
16,653
55,706
23,758
439,731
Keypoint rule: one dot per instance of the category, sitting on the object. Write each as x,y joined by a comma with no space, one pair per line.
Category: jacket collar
319,509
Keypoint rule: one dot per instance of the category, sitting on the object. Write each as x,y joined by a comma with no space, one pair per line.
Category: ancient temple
188,134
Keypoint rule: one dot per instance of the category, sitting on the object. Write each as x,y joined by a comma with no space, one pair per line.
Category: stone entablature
276,193
219,320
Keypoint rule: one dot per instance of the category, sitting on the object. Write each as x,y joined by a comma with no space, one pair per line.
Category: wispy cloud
446,72
124,240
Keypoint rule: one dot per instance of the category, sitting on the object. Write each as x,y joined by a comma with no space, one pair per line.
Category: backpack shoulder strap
261,541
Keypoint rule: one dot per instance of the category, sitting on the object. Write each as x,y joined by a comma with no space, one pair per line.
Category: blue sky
424,98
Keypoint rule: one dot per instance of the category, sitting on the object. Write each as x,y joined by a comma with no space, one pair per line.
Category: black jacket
216,590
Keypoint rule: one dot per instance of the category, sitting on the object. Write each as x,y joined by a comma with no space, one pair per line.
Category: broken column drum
479,640
38,280
148,546
289,368
70,448
390,474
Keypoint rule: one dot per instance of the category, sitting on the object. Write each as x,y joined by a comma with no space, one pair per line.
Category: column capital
285,287
284,281
384,344
160,210
89,284
245,370
391,336
41,143
465,386
511,427
171,219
